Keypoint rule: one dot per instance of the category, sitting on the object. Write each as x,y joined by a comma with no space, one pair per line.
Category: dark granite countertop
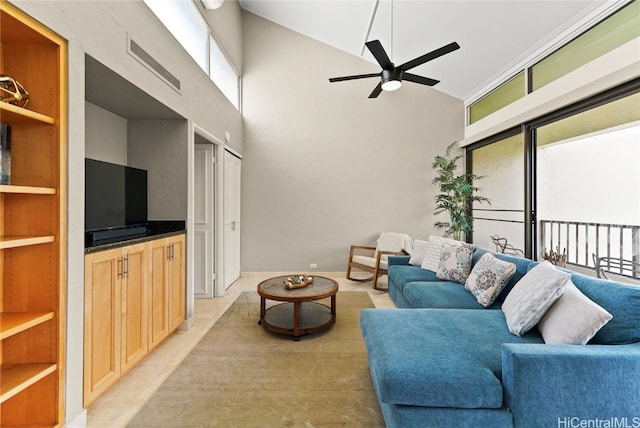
155,230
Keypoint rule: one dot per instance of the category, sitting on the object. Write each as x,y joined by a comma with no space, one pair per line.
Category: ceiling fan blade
419,79
378,52
376,91
429,56
358,76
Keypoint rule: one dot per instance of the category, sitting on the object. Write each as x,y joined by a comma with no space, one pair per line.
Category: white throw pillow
488,277
433,249
530,298
573,319
419,251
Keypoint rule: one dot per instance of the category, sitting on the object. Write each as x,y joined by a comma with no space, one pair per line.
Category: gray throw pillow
573,319
530,298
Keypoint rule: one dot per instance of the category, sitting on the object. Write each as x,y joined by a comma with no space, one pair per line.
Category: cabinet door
158,292
134,306
176,281
102,329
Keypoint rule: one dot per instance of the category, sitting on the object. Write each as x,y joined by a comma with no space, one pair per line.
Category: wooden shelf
15,322
15,378
27,189
21,241
33,212
11,113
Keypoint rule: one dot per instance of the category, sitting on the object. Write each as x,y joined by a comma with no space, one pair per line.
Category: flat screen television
115,196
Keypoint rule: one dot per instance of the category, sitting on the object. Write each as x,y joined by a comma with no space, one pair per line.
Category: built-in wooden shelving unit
33,226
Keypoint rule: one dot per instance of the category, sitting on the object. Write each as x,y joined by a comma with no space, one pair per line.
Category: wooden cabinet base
134,298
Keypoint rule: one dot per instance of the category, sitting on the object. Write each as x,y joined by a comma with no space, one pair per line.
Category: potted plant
457,193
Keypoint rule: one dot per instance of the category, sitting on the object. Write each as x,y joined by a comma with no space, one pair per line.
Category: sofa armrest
552,385
398,260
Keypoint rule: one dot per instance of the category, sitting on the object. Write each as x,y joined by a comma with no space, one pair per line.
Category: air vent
150,62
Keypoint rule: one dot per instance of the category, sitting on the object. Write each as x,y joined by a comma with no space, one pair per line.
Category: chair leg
375,280
355,279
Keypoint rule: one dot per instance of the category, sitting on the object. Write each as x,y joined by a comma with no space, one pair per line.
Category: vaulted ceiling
493,35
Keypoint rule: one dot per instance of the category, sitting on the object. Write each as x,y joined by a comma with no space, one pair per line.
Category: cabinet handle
172,251
120,263
169,252
126,266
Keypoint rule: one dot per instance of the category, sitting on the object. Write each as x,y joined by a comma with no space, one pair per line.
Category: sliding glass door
588,183
569,183
500,226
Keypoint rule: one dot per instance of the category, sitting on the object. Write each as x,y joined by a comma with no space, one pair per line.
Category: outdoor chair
623,270
374,259
503,246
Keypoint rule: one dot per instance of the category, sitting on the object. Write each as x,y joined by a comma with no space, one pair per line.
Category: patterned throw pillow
455,262
530,298
488,277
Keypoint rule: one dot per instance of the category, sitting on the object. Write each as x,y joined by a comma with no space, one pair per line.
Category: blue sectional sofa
441,359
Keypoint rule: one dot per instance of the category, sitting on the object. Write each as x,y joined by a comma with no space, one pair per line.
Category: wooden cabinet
129,307
175,274
102,322
33,226
134,306
167,287
158,292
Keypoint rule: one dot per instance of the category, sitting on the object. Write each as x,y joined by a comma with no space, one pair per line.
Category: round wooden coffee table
300,313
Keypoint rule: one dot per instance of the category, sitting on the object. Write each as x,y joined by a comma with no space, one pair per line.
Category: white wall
105,135
592,179
324,166
160,147
100,29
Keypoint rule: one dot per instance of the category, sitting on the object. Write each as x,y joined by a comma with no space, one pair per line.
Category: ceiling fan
391,76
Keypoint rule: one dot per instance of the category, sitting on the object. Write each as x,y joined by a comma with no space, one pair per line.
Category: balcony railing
581,240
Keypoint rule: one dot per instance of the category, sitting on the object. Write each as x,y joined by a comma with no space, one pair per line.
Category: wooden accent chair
374,259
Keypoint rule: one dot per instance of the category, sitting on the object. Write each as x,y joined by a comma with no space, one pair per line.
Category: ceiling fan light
391,85
391,79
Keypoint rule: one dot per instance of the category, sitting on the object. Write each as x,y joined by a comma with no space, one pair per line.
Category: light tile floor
121,403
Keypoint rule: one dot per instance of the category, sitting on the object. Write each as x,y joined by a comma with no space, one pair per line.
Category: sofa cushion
488,277
441,294
370,261
522,267
573,319
455,262
532,296
438,357
401,274
620,300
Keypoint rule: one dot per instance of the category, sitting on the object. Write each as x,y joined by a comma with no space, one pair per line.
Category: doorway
204,220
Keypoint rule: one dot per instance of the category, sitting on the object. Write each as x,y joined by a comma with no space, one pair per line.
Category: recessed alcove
125,125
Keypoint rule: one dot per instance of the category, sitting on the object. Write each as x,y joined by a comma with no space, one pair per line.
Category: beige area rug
240,375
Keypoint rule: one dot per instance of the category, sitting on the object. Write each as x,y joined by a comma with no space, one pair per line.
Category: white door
204,254
231,218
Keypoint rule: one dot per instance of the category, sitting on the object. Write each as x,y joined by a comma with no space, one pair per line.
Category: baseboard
79,421
186,324
309,272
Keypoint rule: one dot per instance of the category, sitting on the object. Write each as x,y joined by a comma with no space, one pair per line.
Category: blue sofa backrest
620,300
